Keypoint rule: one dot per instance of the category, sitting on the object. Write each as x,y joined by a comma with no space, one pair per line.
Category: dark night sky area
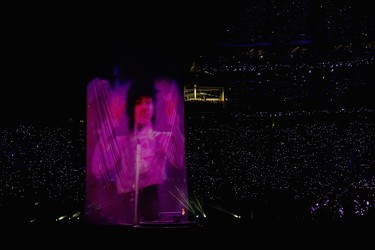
50,56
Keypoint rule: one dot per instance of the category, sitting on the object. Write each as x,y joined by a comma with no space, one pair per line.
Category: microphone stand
137,166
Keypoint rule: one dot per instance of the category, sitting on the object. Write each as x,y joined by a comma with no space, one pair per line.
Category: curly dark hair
140,87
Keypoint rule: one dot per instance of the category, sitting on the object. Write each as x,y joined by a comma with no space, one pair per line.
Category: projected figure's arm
106,159
173,146
102,148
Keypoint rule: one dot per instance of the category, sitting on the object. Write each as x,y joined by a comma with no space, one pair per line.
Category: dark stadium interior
290,146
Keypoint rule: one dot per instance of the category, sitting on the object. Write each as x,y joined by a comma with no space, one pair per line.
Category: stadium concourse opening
204,98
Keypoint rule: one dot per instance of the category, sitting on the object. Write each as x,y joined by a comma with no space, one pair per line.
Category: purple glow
301,42
135,152
259,44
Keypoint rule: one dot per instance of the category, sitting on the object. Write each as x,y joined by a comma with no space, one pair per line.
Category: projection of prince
135,151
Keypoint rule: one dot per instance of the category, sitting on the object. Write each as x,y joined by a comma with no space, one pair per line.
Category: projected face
143,111
135,152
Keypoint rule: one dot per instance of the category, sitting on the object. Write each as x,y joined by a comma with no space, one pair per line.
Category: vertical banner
136,170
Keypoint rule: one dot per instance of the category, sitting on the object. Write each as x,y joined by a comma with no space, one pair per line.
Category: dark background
50,52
